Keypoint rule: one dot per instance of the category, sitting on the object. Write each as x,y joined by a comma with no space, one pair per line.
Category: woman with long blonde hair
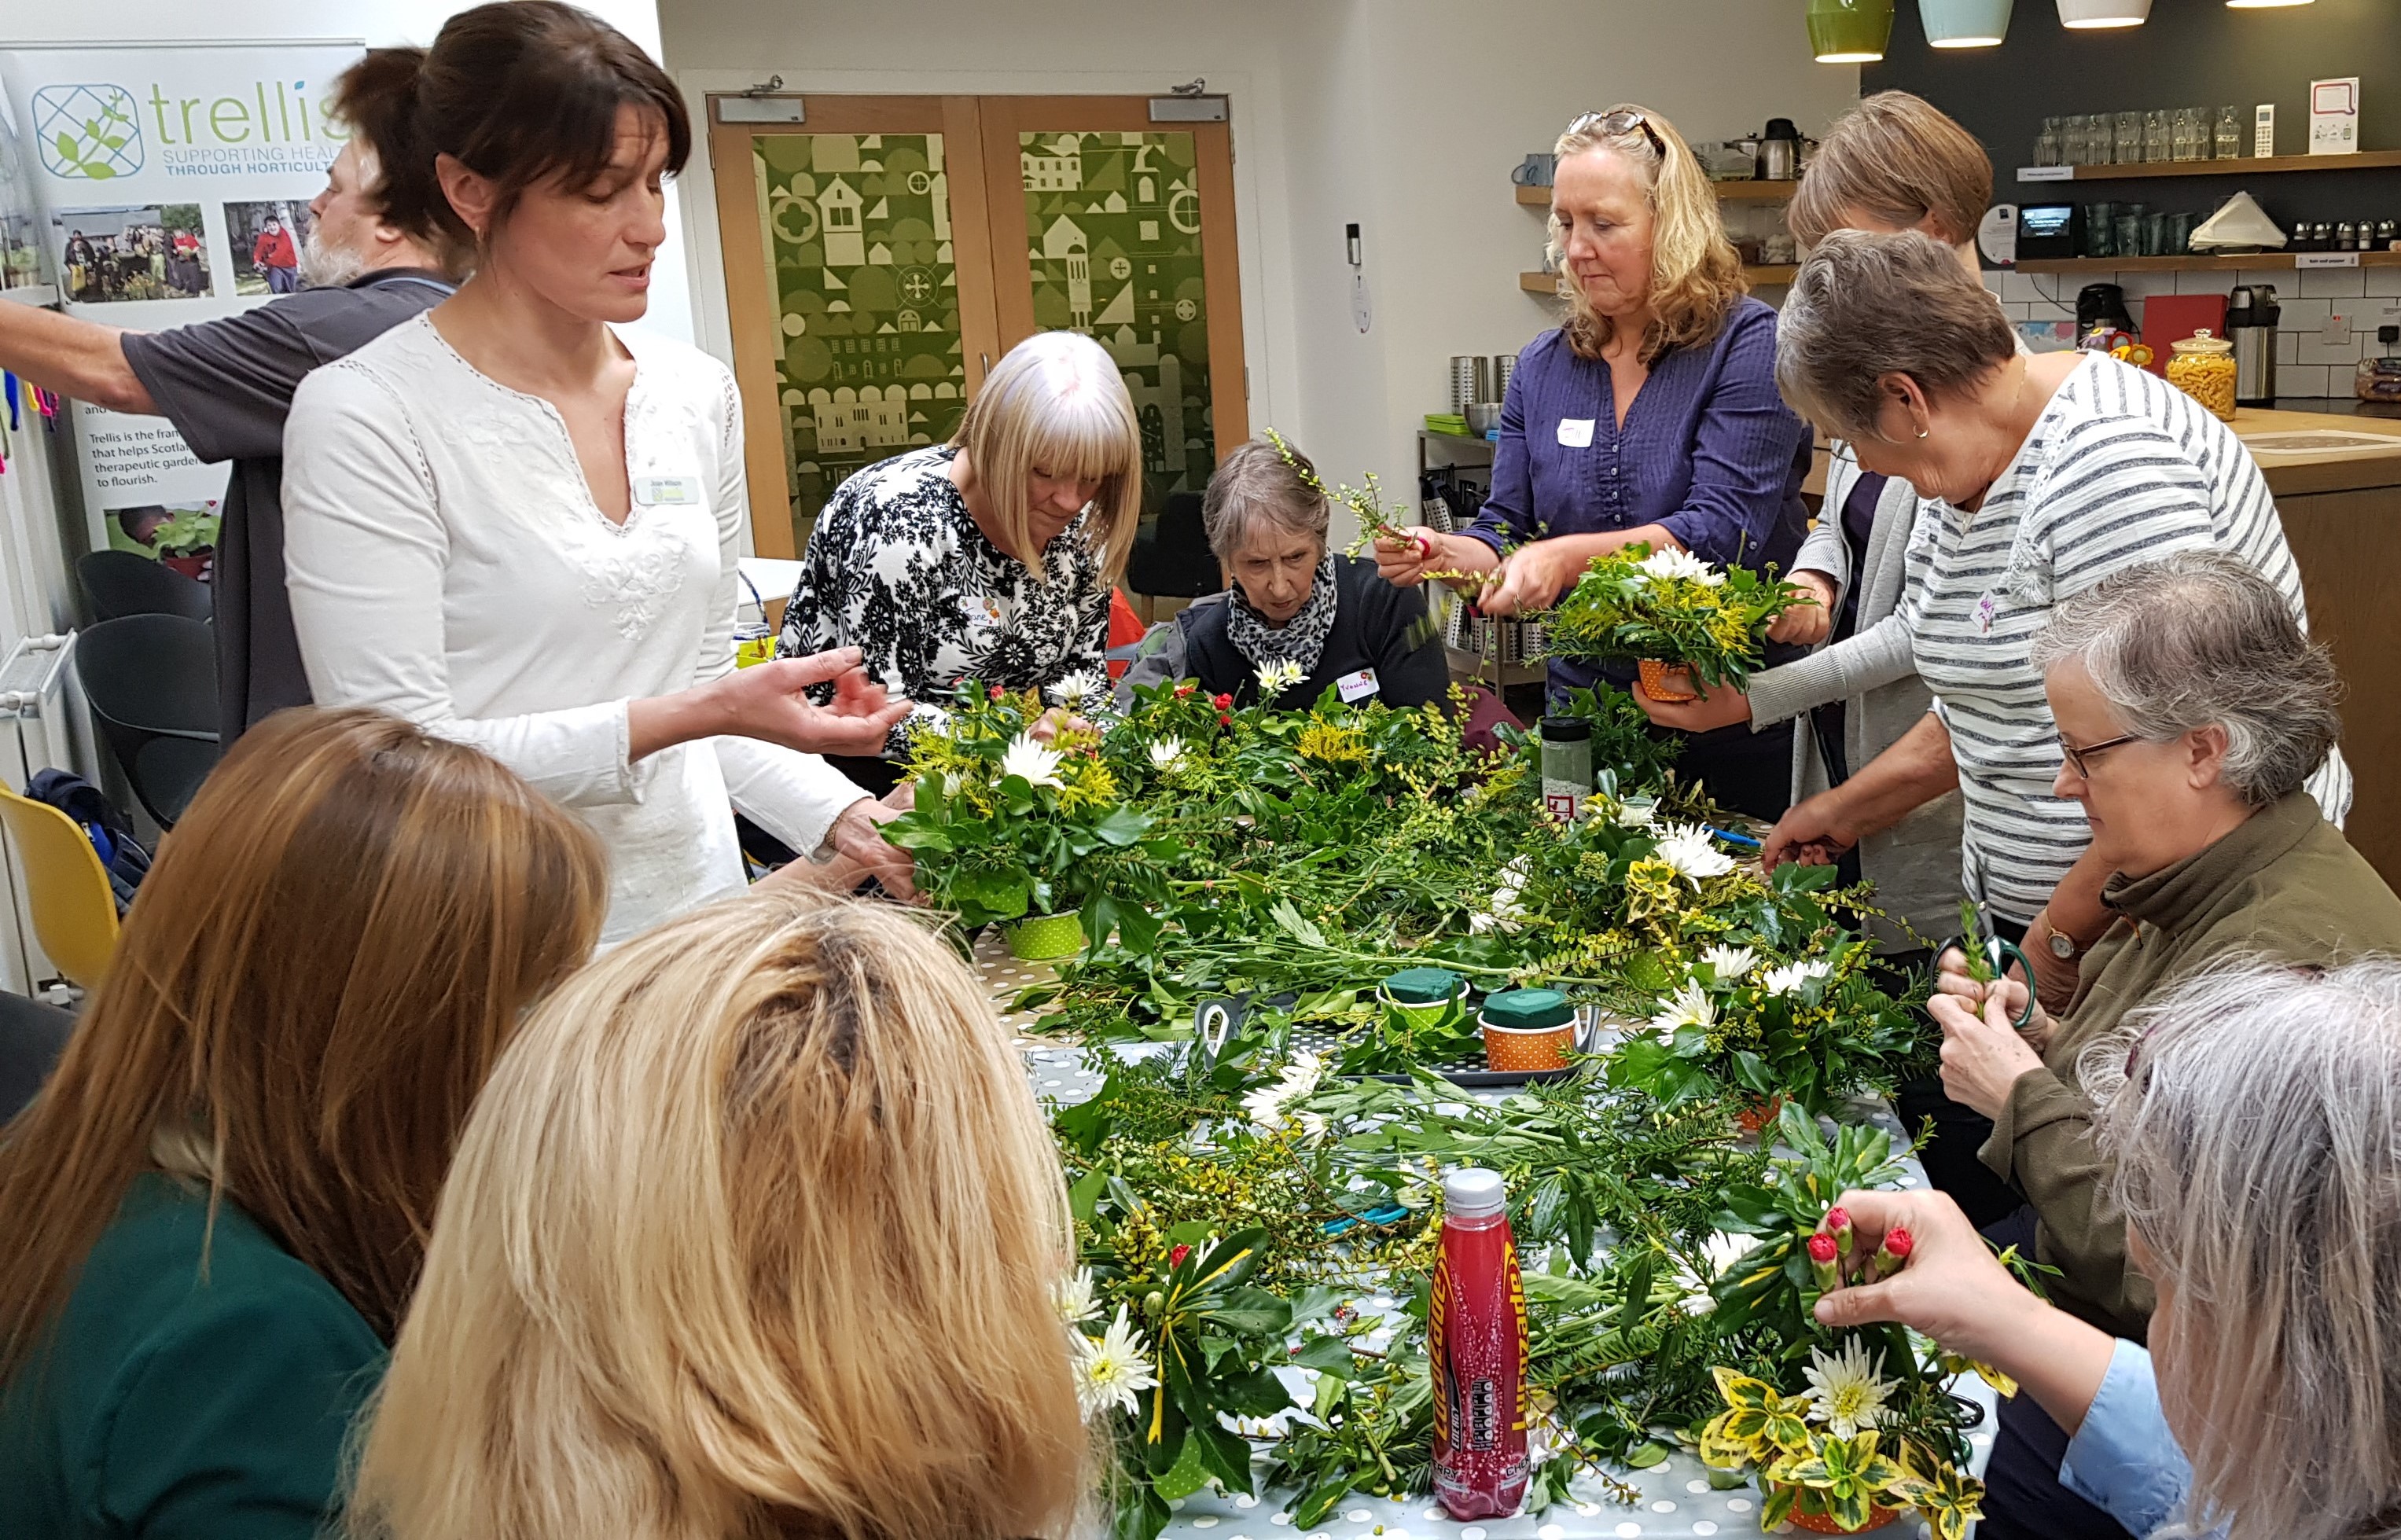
216,1209
1650,415
754,1233
990,557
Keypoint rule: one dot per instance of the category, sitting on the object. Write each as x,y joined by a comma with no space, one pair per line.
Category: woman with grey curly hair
2190,708
2266,1406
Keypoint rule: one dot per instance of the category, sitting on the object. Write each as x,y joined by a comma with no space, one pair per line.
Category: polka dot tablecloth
1676,1497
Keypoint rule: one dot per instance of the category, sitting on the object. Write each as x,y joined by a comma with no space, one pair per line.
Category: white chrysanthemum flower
1167,755
1788,979
1686,847
1720,1252
1036,762
1640,813
1845,1393
1313,1125
1725,1249
1277,677
1083,688
1507,909
1670,563
1730,963
950,783
1299,1079
1689,1006
1075,1297
1112,1369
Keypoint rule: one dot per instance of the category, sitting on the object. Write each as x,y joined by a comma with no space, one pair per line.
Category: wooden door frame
751,296
1213,143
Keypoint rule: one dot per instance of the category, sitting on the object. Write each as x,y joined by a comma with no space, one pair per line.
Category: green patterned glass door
864,285
1113,243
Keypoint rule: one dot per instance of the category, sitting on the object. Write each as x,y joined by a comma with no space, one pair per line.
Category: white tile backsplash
2333,282
2311,350
2285,344
2381,280
2021,287
2303,315
2302,380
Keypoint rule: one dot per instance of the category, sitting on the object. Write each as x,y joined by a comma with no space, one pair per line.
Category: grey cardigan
1914,864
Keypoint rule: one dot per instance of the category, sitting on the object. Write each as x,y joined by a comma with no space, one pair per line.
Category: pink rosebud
1175,1257
995,692
1224,703
1838,1224
1893,1255
1821,1247
1824,1263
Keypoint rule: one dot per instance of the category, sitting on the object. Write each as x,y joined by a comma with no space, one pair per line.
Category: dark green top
2285,887
177,1408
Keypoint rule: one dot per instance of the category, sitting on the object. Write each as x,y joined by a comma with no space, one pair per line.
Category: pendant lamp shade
2085,14
2261,5
1849,32
1965,24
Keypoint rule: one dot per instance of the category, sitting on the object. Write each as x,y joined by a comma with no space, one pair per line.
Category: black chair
119,583
152,681
32,1037
1171,557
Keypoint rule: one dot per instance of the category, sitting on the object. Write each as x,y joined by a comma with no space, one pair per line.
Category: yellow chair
66,888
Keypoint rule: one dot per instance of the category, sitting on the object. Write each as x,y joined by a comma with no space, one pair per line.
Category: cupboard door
859,284
1108,224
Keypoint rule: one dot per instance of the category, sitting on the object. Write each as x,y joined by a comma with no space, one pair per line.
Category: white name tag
1576,432
655,491
1354,688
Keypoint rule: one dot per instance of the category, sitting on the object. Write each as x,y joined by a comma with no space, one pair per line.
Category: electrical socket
2336,329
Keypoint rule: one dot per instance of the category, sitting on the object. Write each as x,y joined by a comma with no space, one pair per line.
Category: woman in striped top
2044,475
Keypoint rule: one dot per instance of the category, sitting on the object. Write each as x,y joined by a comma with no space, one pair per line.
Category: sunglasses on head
1624,120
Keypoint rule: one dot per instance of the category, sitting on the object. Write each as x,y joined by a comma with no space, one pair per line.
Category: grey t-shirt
227,385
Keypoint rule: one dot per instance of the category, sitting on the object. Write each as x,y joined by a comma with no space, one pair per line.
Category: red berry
1224,720
1821,1247
1175,1257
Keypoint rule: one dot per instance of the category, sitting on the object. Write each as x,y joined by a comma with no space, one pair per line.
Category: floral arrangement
1669,606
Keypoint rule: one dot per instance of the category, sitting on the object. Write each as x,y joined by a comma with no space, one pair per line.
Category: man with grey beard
227,385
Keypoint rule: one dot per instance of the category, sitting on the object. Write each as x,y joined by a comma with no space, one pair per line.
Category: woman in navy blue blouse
1650,414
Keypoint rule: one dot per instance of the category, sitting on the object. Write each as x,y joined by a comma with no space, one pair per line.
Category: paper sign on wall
170,185
2334,115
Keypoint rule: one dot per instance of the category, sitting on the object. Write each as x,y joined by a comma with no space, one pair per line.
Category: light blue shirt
2123,1458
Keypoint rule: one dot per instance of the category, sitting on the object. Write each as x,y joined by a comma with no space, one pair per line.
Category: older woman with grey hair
1298,620
2043,473
2190,709
2253,1118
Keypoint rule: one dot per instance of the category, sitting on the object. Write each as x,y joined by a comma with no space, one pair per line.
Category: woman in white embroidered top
517,527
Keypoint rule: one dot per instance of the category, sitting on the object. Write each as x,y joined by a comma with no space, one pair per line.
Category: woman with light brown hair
1650,416
754,1233
216,1209
990,557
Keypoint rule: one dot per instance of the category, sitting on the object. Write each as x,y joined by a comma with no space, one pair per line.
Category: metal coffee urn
2251,315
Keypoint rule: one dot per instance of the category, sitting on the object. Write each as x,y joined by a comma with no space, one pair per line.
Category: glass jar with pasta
2202,367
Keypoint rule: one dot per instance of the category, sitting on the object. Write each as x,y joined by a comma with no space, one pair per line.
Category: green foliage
1631,604
188,532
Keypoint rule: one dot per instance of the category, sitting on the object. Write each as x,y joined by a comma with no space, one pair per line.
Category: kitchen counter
2323,449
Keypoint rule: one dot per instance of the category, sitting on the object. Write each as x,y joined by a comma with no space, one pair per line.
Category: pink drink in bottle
1476,1338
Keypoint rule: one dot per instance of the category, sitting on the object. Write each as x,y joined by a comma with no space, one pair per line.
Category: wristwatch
2062,944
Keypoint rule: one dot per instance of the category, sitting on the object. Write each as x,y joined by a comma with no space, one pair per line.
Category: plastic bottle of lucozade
1476,1340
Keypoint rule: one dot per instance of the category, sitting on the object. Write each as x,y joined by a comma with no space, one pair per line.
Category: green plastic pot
1849,32
1045,938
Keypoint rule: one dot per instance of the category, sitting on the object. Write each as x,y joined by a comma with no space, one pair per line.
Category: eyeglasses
2081,758
1624,120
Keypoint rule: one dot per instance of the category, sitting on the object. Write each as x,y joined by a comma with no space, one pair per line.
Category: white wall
1402,115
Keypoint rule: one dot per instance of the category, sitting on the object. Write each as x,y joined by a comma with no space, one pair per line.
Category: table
1677,1500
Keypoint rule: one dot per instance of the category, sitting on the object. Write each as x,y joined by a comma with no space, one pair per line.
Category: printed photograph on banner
150,251
267,239
182,535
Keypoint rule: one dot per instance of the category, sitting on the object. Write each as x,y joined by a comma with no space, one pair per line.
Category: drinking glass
2229,136
2156,143
2126,237
2100,230
2096,139
2191,141
2046,143
2156,235
2127,140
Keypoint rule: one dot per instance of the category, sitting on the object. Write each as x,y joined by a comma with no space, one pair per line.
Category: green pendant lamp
1849,32
1965,24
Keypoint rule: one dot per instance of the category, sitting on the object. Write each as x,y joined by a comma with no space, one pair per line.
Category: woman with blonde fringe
215,1211
990,557
754,1233
1650,416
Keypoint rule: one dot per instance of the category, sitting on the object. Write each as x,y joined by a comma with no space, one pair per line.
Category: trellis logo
88,132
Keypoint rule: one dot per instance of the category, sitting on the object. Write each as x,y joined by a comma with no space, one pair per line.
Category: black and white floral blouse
896,567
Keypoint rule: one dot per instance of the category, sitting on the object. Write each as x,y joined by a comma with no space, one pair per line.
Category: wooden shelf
2358,160
1735,192
2186,264
1548,284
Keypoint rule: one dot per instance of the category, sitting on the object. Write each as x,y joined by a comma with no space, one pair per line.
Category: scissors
2000,953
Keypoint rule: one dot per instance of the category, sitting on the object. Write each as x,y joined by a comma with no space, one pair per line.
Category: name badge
670,491
1354,688
1576,432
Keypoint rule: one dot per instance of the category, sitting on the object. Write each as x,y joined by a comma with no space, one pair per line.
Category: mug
1534,170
